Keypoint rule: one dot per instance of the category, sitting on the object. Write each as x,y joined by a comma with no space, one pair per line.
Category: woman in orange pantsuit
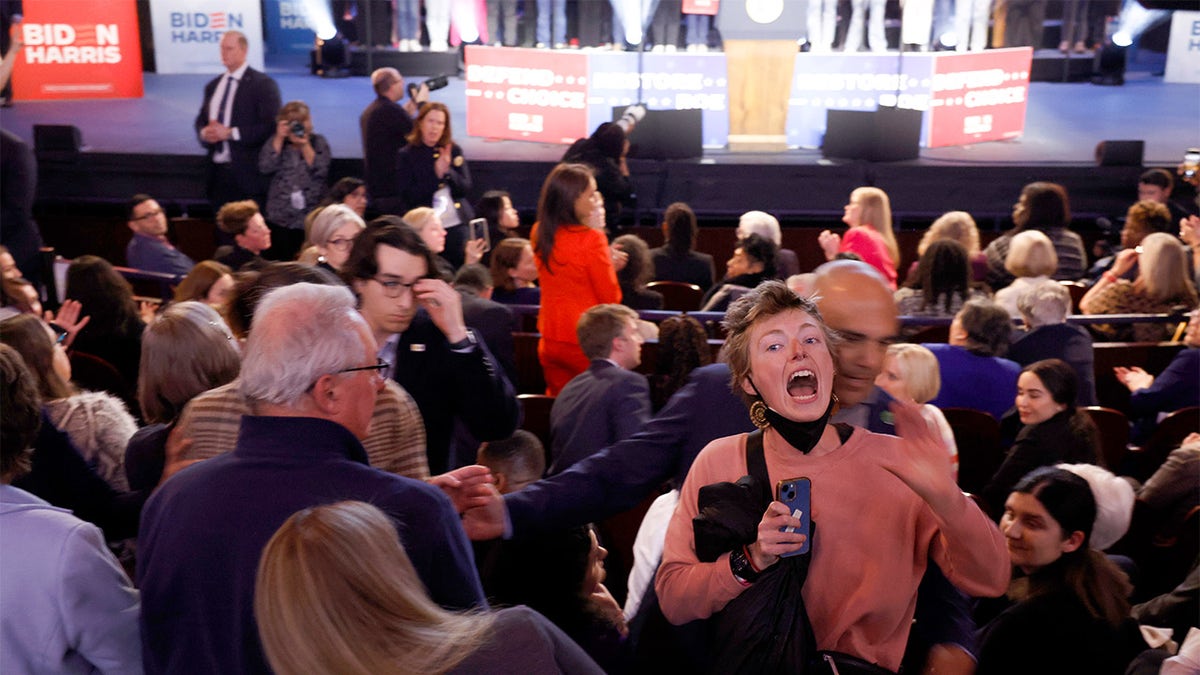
575,268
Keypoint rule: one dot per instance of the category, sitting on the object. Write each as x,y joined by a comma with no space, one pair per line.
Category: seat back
1114,436
977,435
93,373
535,417
677,295
530,379
1167,436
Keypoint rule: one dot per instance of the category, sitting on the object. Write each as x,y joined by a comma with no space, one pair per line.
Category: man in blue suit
236,118
607,402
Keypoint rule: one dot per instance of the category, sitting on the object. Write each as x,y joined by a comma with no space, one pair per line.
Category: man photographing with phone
385,126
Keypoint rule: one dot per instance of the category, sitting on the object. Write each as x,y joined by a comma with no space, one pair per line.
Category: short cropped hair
186,351
301,332
599,326
474,278
1046,303
988,327
382,79
919,369
134,202
768,299
234,217
1031,254
1147,216
521,454
1157,177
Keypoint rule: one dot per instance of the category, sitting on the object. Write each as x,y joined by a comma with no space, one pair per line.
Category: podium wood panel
760,82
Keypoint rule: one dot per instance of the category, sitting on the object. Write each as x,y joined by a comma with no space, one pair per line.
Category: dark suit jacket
1065,341
385,125
619,476
255,105
1177,386
693,268
493,322
598,407
448,385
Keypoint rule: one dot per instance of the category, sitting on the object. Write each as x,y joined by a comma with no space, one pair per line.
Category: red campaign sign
79,49
979,96
526,94
710,7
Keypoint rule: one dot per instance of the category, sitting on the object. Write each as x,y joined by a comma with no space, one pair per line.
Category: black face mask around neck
802,436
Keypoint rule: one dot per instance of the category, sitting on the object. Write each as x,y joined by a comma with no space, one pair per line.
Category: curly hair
682,347
768,299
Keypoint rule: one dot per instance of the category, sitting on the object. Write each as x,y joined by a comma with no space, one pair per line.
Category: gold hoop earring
758,414
837,405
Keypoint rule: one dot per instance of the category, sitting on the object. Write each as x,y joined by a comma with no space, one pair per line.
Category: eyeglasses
394,288
379,367
149,214
340,244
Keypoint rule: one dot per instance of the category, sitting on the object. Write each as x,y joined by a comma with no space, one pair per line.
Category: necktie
221,114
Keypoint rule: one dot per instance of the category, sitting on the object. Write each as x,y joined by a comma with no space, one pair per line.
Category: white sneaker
671,48
439,46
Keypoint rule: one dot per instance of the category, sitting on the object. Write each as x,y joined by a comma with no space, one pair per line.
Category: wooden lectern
760,54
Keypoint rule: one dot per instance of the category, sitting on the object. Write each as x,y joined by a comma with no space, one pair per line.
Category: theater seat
677,295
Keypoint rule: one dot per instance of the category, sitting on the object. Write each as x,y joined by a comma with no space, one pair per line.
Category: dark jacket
690,268
449,385
385,126
1057,440
255,105
1065,341
203,532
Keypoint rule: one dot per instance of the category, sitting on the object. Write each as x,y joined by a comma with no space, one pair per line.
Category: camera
1191,164
297,128
434,83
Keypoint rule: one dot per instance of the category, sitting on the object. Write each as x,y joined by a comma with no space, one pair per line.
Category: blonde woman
321,610
910,373
1162,283
869,215
1032,260
428,224
959,226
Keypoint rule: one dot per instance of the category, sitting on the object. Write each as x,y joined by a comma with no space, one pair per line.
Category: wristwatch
743,570
464,344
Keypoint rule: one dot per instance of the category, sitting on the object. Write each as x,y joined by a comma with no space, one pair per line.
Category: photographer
298,162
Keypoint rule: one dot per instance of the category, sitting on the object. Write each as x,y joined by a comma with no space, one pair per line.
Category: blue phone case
796,493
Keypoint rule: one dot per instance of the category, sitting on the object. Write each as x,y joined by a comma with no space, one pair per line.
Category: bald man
385,125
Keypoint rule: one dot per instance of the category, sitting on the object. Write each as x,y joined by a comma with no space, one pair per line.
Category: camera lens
298,128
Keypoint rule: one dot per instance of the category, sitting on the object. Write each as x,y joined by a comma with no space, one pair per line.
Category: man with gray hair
1045,307
311,376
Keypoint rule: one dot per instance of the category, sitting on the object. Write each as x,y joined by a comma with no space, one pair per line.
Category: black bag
766,628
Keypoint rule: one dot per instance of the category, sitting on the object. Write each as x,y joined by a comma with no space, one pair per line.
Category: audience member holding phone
872,535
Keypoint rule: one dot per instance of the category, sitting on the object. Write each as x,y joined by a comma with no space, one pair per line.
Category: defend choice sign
187,33
79,49
527,94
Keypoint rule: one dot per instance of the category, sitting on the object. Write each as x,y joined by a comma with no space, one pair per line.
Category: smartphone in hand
479,230
796,494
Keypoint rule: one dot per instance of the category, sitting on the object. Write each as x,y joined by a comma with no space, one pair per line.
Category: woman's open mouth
802,385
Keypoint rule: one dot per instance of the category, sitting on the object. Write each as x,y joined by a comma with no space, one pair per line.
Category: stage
147,145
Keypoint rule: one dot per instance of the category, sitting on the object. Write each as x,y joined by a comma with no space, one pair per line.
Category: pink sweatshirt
874,538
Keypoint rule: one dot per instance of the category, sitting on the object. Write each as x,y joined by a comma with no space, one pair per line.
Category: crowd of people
342,376
674,25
